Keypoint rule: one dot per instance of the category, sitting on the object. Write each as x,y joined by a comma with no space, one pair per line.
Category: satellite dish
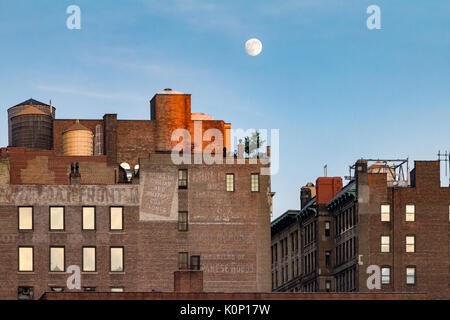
125,166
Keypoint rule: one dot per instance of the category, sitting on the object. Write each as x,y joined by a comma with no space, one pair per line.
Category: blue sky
336,90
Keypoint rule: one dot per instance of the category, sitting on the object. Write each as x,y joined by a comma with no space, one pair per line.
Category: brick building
400,226
105,195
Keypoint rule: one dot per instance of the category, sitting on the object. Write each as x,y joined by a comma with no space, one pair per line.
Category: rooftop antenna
325,170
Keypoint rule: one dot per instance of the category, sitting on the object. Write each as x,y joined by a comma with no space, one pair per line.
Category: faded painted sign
159,195
69,195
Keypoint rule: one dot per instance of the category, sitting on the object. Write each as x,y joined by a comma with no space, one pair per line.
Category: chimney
240,149
327,188
307,192
188,281
75,176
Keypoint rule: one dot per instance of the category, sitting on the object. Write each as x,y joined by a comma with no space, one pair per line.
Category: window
385,275
182,221
116,289
182,260
328,286
230,182
385,243
255,182
116,263
411,275
410,212
327,259
89,259
327,228
88,289
56,218
25,293
88,218
116,218
57,289
410,244
57,261
385,213
195,262
182,179
25,218
26,259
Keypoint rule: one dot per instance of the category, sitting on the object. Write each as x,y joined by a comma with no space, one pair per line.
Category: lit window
25,258
182,260
89,259
56,218
117,289
25,218
182,179
386,275
327,228
385,243
385,213
116,259
410,244
410,212
89,289
195,263
57,259
328,286
56,289
88,218
116,218
410,275
255,182
230,182
182,221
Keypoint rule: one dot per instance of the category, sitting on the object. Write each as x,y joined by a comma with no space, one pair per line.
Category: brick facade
353,241
228,231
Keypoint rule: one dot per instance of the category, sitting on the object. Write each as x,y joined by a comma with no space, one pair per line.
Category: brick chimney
188,281
307,192
327,188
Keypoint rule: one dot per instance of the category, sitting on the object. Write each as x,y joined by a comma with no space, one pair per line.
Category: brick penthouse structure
401,226
105,195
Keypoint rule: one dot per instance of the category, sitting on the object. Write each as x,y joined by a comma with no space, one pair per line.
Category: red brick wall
327,188
229,230
135,139
44,167
430,228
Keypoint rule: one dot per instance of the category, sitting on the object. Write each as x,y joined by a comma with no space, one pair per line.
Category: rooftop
31,102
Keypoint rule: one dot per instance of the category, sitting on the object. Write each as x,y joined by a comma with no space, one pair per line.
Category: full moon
253,47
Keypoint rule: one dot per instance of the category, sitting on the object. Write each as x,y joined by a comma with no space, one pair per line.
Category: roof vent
167,89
